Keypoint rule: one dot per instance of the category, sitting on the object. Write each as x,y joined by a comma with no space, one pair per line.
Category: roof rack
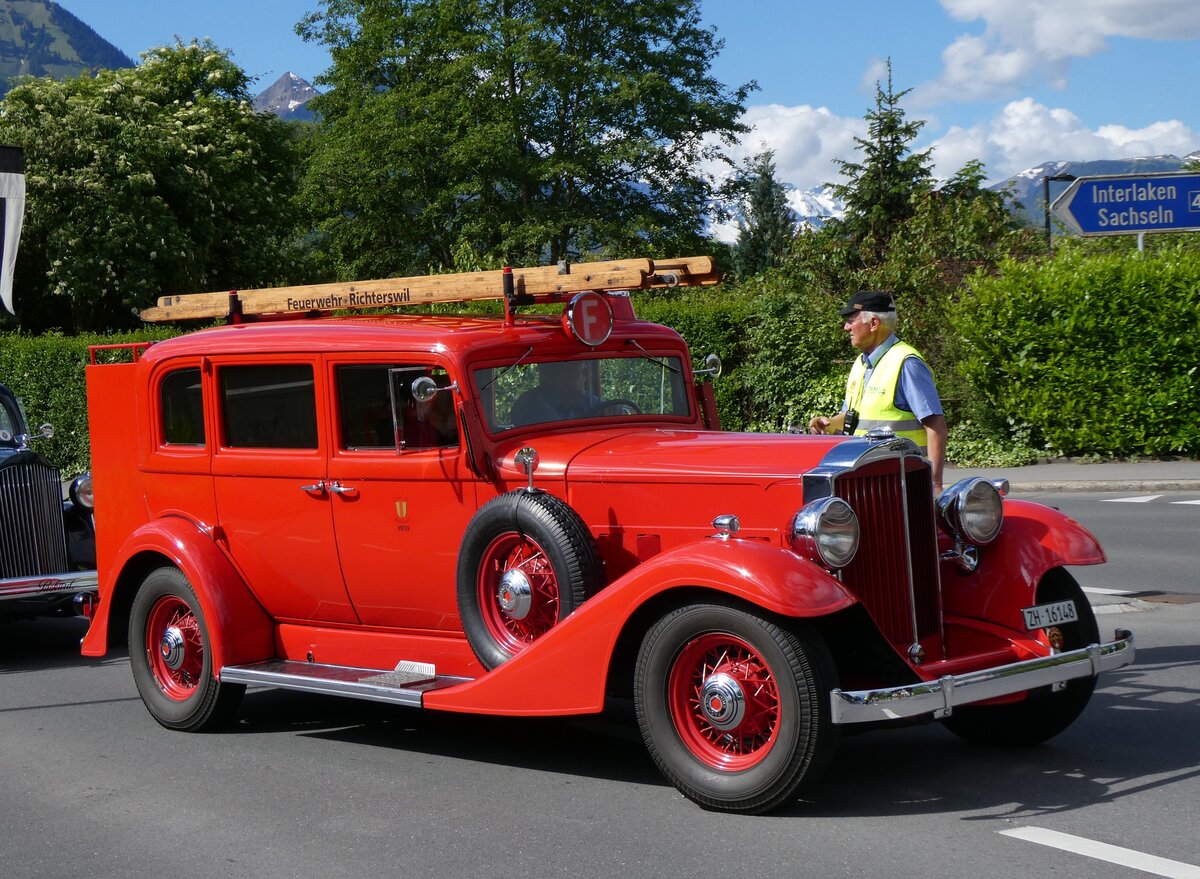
514,286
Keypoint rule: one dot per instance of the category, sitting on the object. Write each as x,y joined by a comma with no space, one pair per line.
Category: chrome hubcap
172,648
723,701
515,595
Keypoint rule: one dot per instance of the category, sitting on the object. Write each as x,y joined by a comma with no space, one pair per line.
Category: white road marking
1185,502
1102,851
1132,500
1095,590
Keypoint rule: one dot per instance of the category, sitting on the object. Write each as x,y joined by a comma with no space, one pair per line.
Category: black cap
868,300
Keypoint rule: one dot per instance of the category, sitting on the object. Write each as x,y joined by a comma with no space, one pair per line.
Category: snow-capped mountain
815,206
287,98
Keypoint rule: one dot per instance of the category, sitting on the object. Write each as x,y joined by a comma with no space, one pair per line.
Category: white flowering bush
146,181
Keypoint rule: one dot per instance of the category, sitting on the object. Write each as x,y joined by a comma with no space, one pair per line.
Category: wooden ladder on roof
516,286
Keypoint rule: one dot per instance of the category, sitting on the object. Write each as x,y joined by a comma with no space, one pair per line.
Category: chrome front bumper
45,585
940,697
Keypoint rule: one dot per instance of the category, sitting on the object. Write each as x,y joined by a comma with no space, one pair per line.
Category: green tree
145,181
767,224
529,130
880,189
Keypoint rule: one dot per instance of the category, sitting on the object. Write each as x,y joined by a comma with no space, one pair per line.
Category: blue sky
1010,82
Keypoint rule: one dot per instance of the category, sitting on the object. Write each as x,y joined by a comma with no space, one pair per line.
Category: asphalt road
319,787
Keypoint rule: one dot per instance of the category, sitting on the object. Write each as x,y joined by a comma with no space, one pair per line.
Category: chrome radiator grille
32,539
895,573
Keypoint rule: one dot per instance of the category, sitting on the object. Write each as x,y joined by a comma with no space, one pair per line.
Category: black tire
538,537
171,656
1043,714
729,761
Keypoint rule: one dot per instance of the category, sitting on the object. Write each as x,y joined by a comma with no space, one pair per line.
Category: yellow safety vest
876,402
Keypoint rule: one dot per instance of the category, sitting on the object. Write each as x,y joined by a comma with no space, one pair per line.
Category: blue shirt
915,391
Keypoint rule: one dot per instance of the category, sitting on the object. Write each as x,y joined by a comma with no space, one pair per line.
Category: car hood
662,455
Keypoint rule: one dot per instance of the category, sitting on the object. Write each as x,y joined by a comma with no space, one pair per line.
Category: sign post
1126,204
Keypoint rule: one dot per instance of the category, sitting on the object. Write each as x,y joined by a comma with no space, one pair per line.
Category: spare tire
527,562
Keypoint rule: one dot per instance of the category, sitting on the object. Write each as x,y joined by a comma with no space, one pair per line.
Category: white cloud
805,140
1024,39
1026,133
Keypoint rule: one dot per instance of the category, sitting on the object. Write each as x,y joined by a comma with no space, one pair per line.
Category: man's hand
819,424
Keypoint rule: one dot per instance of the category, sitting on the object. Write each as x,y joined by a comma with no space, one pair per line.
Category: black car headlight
972,510
81,491
826,531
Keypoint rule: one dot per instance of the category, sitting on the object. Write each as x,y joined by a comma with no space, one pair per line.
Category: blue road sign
1128,203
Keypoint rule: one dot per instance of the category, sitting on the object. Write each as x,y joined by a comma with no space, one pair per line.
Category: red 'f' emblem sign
588,317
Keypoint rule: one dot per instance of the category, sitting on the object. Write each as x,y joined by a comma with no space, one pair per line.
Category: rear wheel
1043,714
171,657
734,708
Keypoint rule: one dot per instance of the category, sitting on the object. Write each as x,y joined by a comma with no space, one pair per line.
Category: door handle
345,490
317,487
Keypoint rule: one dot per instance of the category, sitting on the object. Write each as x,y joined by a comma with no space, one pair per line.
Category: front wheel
1042,714
734,708
171,656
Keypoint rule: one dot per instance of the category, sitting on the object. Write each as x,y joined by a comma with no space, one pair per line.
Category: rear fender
565,671
1034,539
238,627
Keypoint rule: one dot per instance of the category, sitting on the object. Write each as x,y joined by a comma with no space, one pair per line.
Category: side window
182,408
376,409
269,407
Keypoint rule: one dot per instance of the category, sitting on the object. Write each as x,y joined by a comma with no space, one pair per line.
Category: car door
403,491
273,500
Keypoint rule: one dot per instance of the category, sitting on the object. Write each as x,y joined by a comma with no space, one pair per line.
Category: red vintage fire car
529,514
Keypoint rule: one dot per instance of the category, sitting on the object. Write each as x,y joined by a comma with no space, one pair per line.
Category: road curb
1108,485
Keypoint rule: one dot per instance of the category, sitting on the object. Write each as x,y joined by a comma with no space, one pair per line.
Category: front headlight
971,510
81,492
826,531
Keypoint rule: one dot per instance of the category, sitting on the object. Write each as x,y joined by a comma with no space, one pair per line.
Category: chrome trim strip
850,455
939,697
334,680
908,555
49,584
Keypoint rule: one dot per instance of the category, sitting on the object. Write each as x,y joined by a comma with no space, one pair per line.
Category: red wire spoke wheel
170,654
724,702
518,591
527,562
734,706
174,647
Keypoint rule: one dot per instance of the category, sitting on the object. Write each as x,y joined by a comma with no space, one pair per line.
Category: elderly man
890,385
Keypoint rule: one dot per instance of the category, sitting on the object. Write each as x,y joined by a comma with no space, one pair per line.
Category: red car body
385,567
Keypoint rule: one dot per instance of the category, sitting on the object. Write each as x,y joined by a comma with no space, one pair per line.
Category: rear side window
269,407
182,408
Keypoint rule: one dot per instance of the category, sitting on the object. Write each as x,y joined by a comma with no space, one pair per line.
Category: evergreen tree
880,189
767,224
532,130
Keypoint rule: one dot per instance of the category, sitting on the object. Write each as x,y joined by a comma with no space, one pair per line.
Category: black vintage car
47,544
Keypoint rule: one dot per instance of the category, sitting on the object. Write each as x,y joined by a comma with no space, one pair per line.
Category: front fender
238,627
1034,539
566,670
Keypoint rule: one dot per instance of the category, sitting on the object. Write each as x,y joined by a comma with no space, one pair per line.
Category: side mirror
44,432
712,366
425,389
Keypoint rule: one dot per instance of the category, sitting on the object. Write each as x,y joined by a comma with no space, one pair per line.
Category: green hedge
1089,353
47,373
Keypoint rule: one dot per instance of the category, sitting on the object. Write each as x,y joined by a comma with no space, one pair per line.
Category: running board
407,685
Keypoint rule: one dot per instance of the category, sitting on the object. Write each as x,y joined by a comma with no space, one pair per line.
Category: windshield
532,392
10,422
